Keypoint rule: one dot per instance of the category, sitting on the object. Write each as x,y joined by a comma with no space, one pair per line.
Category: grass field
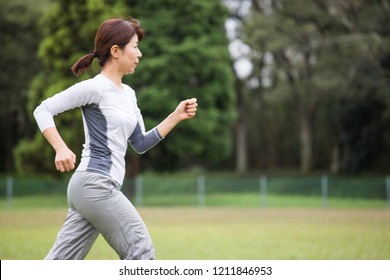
225,233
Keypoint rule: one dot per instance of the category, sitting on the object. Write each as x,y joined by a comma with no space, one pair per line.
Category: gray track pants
96,205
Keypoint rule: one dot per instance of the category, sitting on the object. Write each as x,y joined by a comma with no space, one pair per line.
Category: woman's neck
114,76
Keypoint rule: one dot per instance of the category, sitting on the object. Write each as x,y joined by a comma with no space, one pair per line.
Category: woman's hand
187,109
65,159
184,111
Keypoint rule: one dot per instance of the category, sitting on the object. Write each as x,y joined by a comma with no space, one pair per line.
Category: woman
111,120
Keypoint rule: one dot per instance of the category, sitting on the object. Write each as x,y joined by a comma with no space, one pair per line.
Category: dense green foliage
19,37
178,63
185,55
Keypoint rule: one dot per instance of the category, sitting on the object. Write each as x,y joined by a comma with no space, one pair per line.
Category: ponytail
82,64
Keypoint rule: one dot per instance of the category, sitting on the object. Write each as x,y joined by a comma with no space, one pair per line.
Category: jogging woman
112,120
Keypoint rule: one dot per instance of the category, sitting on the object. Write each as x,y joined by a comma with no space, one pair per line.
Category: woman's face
130,56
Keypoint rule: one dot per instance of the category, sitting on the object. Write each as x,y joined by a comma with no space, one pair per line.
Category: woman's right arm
76,96
65,159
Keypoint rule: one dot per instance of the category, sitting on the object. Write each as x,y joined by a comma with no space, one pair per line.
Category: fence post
263,191
324,191
201,190
388,190
139,191
9,191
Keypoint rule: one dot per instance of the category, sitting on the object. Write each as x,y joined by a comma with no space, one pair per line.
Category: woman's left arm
142,142
184,111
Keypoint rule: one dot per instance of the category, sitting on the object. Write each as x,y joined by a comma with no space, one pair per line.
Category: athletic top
111,119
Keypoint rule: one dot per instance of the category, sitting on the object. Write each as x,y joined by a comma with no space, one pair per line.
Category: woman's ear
114,51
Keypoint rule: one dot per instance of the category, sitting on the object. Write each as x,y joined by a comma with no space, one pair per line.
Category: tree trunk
241,147
241,133
132,170
335,159
305,143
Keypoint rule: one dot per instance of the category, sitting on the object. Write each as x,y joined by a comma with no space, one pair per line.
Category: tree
184,55
312,50
237,11
20,35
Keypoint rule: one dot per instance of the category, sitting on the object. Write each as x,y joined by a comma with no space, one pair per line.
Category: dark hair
115,31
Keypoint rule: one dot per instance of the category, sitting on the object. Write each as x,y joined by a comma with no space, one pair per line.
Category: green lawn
211,200
220,233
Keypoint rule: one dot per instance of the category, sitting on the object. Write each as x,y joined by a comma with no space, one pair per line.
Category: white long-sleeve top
111,119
